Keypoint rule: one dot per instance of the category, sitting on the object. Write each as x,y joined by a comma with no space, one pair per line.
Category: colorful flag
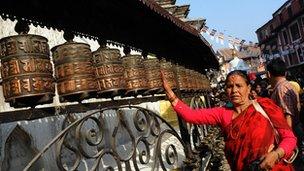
212,33
205,29
237,41
230,45
221,37
242,42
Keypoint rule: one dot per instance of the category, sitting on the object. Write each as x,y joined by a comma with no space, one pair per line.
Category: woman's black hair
241,73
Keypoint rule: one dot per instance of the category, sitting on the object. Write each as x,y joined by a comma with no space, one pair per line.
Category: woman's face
237,90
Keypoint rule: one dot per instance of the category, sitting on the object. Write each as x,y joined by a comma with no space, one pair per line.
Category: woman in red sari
248,134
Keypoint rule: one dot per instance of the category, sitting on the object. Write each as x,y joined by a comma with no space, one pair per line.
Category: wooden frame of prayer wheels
26,70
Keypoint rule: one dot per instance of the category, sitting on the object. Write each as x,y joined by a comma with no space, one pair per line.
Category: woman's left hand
269,160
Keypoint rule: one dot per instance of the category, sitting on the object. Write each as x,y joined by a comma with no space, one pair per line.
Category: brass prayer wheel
196,80
182,78
135,75
169,73
153,76
206,83
190,84
74,71
109,72
26,70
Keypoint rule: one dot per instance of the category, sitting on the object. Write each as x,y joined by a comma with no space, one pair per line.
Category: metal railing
138,139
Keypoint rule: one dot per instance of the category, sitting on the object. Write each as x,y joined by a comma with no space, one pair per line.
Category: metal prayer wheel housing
74,71
196,79
206,83
135,75
193,81
26,70
109,72
153,75
182,78
169,73
199,82
190,84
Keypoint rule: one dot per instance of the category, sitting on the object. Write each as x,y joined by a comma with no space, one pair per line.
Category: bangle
279,157
171,99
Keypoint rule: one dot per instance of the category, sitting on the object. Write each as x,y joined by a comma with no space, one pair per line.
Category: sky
237,18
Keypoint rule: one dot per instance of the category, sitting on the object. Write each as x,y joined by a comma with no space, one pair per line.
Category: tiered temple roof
181,12
197,23
165,2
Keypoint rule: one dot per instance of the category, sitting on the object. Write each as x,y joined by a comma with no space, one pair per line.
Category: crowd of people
260,119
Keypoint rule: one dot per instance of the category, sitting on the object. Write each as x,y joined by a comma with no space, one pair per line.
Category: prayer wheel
135,75
74,71
196,81
182,78
153,75
190,84
109,72
26,69
169,73
206,83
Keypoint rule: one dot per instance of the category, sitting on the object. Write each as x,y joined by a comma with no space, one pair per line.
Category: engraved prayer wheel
190,84
206,83
201,82
196,81
168,71
182,78
135,75
109,72
193,81
153,75
74,71
26,69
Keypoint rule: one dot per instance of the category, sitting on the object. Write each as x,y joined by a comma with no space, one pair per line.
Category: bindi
233,77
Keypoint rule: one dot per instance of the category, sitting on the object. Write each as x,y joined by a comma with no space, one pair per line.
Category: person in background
254,94
286,97
283,93
249,136
261,88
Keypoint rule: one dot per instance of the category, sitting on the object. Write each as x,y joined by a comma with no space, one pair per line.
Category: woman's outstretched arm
196,116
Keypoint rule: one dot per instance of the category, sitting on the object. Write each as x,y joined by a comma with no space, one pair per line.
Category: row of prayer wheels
27,72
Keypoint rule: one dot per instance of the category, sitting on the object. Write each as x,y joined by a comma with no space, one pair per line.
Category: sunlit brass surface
26,70
169,73
109,72
74,71
135,75
153,75
182,78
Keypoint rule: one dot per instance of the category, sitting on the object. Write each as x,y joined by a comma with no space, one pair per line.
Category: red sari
249,136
